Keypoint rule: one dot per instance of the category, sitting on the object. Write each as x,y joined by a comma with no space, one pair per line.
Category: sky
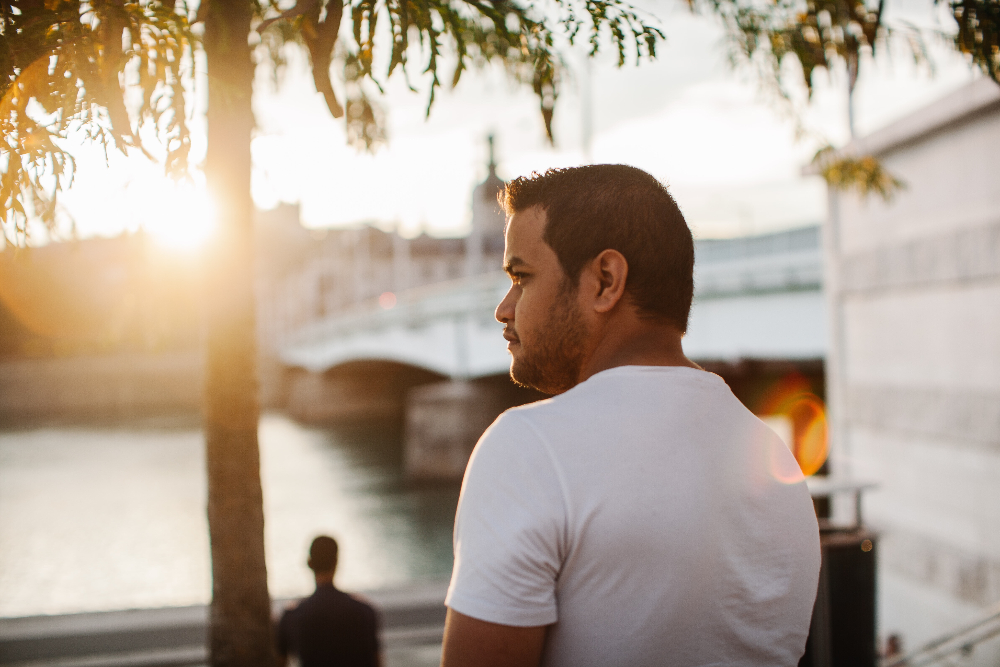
730,158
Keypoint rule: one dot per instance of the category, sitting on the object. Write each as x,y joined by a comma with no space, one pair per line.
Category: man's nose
505,311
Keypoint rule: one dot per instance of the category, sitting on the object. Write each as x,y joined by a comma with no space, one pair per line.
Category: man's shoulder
518,451
357,605
532,419
577,406
517,432
628,392
542,425
328,599
360,603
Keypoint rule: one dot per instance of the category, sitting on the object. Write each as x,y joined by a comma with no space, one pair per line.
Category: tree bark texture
240,624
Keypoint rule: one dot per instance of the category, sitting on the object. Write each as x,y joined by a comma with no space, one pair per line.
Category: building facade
913,288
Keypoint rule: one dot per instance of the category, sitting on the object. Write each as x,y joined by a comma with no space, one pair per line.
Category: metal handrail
962,639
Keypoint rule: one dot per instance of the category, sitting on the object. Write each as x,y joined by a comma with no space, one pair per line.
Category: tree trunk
240,624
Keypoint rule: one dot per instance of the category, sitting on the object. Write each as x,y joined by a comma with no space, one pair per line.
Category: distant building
343,268
913,289
98,328
485,242
97,296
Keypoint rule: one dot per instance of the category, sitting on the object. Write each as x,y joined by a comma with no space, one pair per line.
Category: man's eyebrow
512,264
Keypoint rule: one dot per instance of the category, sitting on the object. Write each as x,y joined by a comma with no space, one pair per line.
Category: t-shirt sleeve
510,530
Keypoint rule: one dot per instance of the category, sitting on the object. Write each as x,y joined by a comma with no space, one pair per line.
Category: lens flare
387,300
791,397
783,468
183,217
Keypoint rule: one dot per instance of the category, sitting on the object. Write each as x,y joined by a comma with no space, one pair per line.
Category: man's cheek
522,320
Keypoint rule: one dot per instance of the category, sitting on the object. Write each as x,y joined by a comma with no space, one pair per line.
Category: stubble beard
553,364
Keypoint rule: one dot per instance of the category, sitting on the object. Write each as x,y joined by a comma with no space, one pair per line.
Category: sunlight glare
181,217
805,415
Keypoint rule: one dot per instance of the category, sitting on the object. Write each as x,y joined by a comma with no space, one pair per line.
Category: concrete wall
914,364
100,387
118,386
444,420
357,391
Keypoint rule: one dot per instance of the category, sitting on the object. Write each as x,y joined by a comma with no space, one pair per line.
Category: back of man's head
323,554
593,208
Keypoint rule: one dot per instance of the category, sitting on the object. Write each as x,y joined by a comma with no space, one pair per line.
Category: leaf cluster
73,66
865,175
68,67
979,32
818,33
825,34
523,37
822,34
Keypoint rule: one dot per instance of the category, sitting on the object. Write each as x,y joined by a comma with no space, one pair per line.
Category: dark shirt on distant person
330,629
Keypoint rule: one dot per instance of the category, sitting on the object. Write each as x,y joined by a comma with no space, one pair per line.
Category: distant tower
486,237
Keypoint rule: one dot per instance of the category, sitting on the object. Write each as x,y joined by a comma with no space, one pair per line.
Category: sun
178,216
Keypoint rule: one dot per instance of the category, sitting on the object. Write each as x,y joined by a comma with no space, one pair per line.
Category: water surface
114,518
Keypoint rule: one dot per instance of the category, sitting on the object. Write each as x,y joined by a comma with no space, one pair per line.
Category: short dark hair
323,554
613,206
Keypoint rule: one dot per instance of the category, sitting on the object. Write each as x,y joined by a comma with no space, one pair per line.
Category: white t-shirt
648,515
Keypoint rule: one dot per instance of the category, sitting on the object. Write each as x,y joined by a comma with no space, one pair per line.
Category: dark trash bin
842,633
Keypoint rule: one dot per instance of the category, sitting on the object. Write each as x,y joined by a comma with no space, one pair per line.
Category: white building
913,371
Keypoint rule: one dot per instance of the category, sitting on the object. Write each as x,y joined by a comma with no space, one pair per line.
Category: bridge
447,328
757,299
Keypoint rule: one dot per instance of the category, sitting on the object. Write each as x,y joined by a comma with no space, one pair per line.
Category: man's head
323,556
593,220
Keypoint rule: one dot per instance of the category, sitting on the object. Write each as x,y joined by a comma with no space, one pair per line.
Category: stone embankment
93,387
412,618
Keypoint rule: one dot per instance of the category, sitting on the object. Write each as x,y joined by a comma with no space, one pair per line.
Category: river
97,518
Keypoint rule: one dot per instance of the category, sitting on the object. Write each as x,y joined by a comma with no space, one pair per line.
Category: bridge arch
354,390
447,329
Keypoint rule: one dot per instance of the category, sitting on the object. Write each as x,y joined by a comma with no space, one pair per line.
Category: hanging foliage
865,175
101,69
819,34
523,37
830,34
979,32
68,67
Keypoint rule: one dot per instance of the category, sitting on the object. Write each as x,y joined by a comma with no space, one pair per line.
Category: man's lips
510,337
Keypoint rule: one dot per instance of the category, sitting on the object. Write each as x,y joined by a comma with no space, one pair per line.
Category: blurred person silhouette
329,628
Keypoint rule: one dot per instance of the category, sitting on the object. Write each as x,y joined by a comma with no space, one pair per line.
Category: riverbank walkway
412,628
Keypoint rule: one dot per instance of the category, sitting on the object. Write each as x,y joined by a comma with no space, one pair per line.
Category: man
329,628
642,516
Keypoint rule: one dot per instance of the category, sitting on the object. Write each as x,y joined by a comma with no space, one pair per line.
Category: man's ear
608,273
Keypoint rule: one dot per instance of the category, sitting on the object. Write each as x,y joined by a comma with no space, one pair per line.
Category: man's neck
324,579
634,341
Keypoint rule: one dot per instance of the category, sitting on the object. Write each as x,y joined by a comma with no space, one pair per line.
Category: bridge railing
723,324
477,296
961,640
784,261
